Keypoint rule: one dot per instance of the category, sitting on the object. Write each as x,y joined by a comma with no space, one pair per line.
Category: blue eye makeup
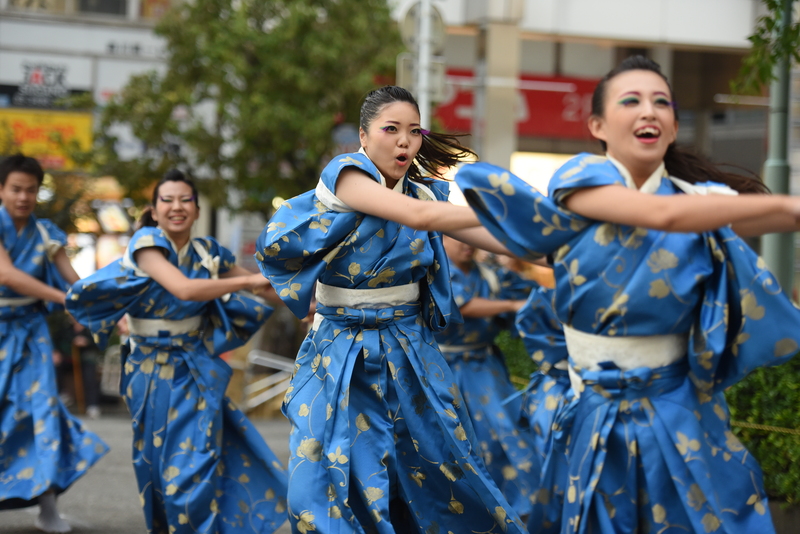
628,101
388,128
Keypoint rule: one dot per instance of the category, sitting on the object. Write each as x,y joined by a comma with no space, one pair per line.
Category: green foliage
771,396
251,91
518,361
771,41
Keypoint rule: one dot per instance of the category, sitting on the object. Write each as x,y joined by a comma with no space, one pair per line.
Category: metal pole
778,249
424,64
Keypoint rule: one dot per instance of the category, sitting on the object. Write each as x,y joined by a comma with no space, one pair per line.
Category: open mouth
648,132
402,159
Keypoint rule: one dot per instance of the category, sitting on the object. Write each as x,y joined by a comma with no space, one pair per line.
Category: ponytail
688,166
146,219
438,150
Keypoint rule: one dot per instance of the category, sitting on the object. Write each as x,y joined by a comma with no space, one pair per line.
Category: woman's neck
179,240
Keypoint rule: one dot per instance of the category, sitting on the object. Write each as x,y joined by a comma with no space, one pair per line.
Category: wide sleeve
308,231
745,322
528,223
436,294
234,320
53,240
458,284
541,331
100,300
53,237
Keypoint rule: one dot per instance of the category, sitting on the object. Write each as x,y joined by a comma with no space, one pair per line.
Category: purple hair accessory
424,131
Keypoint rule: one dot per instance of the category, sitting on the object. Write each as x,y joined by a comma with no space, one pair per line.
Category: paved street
105,500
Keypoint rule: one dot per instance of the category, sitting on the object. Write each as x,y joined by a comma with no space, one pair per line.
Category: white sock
49,520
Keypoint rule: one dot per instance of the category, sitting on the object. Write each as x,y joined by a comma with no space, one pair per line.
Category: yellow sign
43,134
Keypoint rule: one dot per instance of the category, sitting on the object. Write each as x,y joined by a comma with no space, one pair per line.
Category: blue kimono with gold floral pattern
482,377
649,449
381,440
42,446
200,464
543,403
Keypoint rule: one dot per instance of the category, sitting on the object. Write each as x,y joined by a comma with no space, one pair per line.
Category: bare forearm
677,213
768,224
25,284
205,289
480,307
481,238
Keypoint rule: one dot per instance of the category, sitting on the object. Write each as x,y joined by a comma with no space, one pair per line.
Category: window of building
105,7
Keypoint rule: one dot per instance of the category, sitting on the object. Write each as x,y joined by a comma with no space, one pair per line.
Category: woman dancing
381,440
486,295
43,448
663,307
200,464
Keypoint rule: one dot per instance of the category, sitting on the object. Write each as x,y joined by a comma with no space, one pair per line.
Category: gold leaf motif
684,444
658,289
501,182
711,522
695,497
417,477
605,234
785,347
183,519
750,306
303,411
455,507
334,512
171,472
172,489
659,513
372,494
311,449
362,422
25,474
661,260
509,473
460,433
417,246
354,268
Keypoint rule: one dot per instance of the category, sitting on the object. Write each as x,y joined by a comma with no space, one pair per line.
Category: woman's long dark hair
173,175
679,162
438,149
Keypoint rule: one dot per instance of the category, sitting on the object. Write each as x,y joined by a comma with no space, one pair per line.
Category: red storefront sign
547,106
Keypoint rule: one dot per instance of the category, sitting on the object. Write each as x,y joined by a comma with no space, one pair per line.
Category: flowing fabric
42,446
544,403
381,440
649,449
482,376
200,464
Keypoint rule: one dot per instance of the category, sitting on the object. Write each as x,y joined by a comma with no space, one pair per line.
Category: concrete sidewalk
105,500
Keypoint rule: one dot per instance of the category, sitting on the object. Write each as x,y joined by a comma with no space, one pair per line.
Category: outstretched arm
25,284
64,267
267,293
365,195
480,307
152,261
681,213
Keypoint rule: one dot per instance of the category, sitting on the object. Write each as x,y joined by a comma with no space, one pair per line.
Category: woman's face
18,195
638,123
393,139
175,210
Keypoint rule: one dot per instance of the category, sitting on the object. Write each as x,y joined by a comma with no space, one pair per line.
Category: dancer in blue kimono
484,293
200,464
542,406
43,448
381,439
663,306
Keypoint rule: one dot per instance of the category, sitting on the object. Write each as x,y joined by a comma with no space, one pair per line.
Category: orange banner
36,133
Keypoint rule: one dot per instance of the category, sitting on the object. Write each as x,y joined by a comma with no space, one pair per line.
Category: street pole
778,249
424,64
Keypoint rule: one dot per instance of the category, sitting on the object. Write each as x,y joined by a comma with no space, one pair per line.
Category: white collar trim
650,185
